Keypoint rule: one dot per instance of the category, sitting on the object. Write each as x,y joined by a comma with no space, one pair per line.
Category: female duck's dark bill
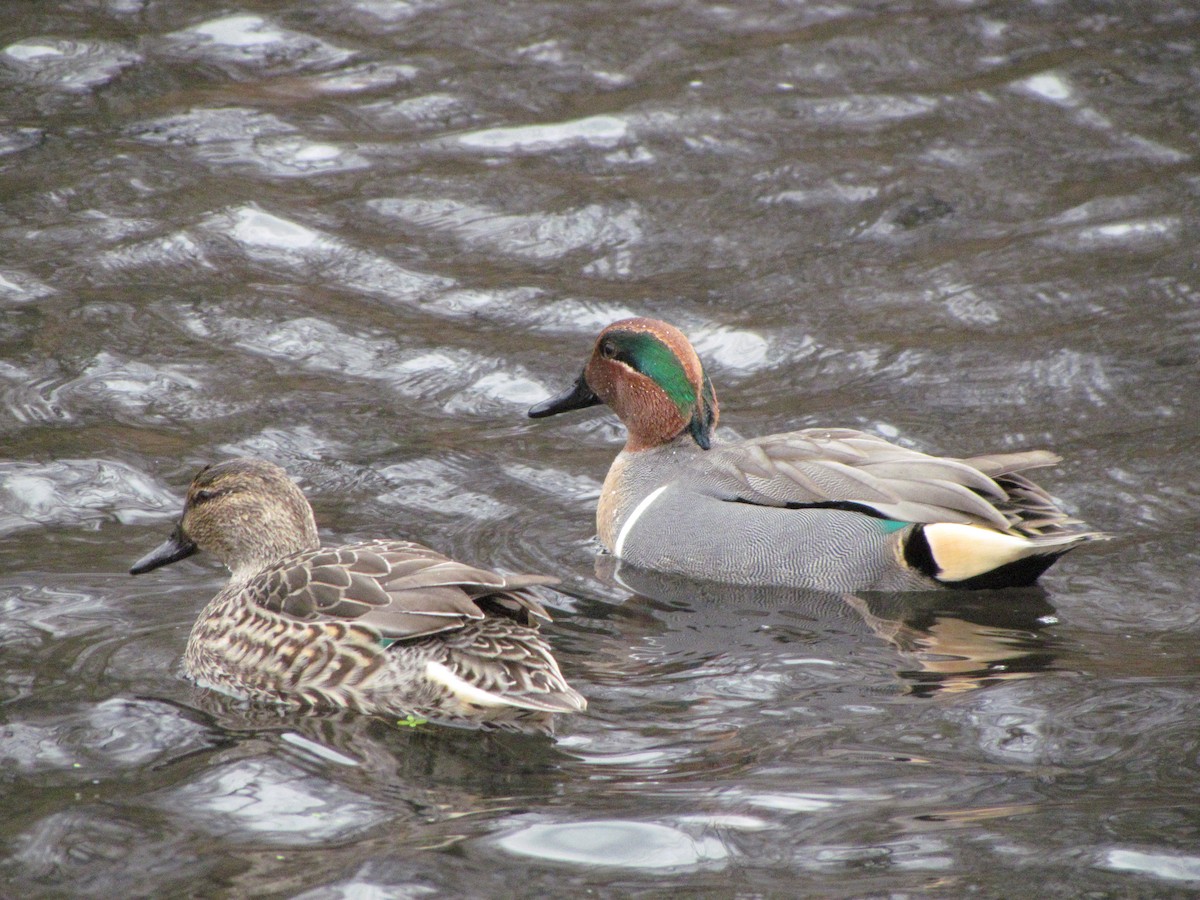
578,397
172,550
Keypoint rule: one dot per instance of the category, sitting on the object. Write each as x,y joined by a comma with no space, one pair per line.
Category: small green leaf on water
411,721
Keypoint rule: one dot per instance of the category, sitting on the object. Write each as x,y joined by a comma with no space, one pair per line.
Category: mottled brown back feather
403,589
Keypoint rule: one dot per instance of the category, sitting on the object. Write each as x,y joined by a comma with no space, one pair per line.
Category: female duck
384,627
831,509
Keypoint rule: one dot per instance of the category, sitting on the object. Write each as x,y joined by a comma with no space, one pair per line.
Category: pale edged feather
845,466
401,589
499,663
994,464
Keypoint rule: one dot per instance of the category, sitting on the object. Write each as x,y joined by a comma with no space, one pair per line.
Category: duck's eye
204,495
608,350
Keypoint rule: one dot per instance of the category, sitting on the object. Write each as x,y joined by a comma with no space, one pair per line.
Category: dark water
360,237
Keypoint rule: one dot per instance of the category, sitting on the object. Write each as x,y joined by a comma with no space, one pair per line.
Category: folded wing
847,468
402,589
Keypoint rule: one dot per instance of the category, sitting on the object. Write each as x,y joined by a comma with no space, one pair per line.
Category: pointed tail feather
995,464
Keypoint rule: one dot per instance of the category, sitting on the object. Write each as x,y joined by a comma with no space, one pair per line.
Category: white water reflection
1167,867
1136,234
865,110
15,140
602,132
1048,86
270,801
130,386
247,39
201,126
437,486
21,287
77,493
917,853
238,136
536,236
90,740
614,843
67,65
426,112
298,443
279,241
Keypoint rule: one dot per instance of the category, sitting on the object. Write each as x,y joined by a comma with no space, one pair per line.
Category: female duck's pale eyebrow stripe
633,517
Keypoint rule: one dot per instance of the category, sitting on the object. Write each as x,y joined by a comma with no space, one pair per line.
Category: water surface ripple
360,237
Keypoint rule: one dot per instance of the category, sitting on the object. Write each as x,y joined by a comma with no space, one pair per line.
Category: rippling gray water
360,237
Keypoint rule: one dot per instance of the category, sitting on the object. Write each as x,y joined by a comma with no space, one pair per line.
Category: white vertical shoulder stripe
633,517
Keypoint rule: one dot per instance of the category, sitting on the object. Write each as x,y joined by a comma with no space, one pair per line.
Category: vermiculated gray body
819,549
763,511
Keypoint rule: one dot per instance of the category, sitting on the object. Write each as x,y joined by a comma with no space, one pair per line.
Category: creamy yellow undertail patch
964,551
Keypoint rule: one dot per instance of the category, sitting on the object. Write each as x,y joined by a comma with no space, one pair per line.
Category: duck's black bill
578,397
173,549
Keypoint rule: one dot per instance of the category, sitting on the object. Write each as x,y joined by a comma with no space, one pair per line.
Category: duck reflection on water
948,641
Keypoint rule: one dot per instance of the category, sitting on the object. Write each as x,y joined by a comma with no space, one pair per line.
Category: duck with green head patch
830,509
383,627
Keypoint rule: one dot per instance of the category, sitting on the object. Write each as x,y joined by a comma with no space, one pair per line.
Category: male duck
383,627
831,509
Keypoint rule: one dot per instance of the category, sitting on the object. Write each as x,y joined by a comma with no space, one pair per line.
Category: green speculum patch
654,359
